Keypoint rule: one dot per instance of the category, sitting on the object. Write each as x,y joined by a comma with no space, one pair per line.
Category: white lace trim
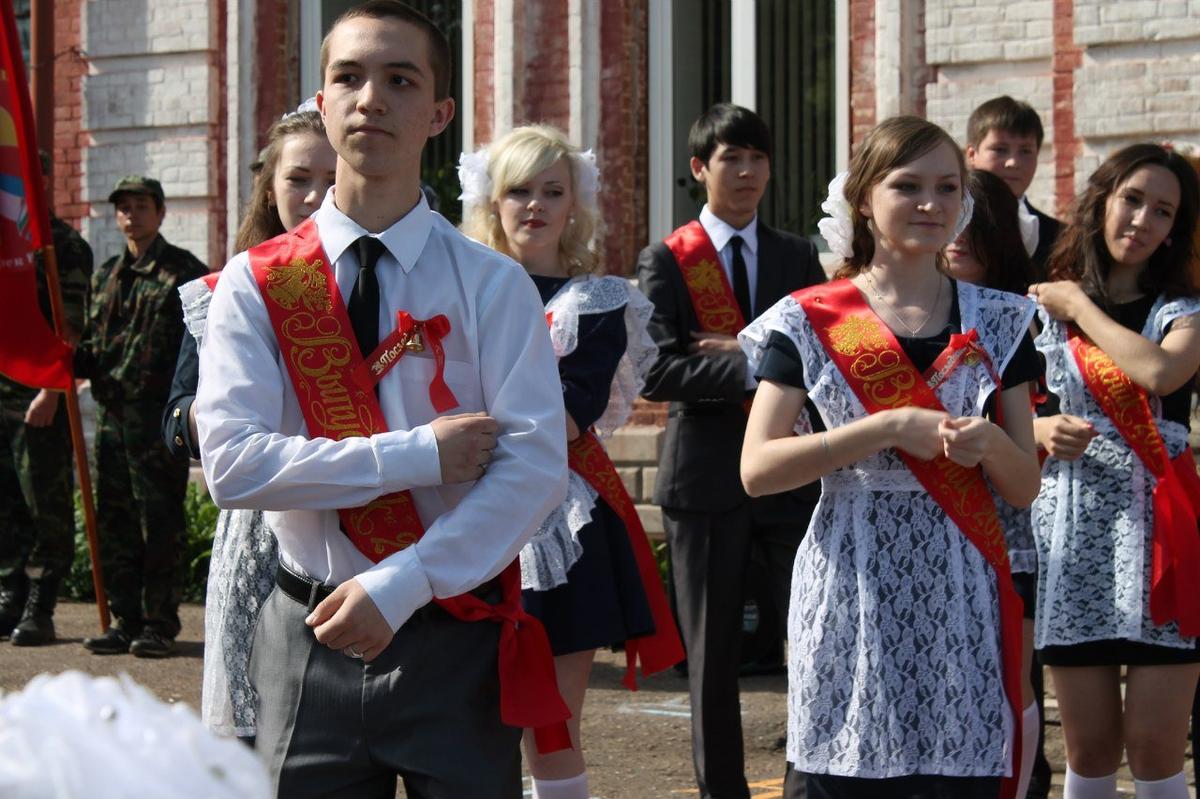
555,547
1093,519
590,294
195,296
894,650
241,574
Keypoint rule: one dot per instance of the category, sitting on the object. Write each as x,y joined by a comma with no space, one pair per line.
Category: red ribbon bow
411,334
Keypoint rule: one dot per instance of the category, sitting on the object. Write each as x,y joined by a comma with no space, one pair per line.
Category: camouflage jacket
135,324
74,259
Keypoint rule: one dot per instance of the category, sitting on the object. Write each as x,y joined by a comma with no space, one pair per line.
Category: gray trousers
427,711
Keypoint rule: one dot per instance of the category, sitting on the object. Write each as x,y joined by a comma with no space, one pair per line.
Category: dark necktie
741,279
364,297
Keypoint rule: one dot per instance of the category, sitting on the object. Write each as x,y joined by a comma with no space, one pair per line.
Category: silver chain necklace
896,315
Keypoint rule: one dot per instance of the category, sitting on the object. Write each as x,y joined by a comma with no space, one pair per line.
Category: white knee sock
570,788
1171,788
1030,721
1078,787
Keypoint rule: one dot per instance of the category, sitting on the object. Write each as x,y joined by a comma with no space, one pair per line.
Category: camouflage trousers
140,490
37,511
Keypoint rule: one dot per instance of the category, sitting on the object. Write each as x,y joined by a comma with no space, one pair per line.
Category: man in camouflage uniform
37,515
128,350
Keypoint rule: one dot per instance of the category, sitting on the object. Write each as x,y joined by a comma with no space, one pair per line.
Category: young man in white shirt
361,679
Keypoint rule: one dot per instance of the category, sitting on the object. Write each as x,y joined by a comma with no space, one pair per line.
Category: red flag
30,352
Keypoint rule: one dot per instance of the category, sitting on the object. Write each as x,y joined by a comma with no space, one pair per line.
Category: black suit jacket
699,468
1048,230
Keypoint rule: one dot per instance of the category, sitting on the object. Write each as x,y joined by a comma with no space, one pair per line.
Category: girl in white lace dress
296,170
1103,521
896,686
991,253
532,195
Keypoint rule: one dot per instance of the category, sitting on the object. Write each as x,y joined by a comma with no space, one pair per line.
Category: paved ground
637,744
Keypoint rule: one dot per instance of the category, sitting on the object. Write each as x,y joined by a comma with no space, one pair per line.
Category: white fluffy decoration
71,736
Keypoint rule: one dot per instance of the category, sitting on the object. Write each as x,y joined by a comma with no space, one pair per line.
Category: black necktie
741,279
364,297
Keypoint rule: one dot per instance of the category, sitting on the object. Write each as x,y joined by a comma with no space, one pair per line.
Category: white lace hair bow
308,105
477,183
838,229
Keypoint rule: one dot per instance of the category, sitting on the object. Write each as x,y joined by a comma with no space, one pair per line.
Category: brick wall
862,68
634,450
544,94
69,136
986,49
152,104
485,81
1138,78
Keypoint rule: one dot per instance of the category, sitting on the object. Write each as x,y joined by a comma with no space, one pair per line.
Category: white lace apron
1093,518
894,655
555,547
241,573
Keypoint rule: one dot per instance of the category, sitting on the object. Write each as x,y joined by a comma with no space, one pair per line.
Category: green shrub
200,517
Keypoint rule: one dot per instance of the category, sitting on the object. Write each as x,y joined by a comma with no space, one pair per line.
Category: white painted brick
123,27
123,99
1108,22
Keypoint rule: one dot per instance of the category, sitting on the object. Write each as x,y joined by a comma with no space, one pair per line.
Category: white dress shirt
256,451
720,232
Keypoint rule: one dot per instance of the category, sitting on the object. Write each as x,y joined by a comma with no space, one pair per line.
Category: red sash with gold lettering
661,649
712,297
1175,573
336,397
881,375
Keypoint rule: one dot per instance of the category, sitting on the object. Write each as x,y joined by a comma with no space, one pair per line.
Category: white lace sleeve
555,547
590,294
1167,311
195,296
786,317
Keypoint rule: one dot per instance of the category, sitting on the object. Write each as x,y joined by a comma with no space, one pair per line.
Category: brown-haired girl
1115,522
296,169
904,632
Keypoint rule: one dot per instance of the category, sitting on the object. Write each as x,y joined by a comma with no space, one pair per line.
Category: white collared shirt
256,451
720,232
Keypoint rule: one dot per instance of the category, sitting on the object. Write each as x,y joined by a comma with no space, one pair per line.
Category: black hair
1006,114
731,125
439,46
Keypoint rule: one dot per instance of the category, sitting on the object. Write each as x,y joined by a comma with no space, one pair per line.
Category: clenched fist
465,443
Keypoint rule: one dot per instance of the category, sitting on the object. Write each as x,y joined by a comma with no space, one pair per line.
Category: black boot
13,590
37,624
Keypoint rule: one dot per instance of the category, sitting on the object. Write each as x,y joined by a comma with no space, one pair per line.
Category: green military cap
138,184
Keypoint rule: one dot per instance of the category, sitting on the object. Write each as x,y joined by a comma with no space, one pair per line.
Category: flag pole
78,443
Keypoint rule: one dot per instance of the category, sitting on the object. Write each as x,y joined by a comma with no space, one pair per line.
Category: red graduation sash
881,375
712,297
317,344
661,649
1175,570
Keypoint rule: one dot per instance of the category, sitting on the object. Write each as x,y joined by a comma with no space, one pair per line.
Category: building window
439,162
795,80
21,12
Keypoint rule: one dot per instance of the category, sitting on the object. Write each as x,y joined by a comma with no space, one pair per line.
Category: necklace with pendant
896,315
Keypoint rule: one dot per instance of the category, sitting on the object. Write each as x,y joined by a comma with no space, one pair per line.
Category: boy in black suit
707,280
1004,137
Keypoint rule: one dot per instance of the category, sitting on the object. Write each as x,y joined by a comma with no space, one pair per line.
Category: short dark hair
439,45
731,125
1006,114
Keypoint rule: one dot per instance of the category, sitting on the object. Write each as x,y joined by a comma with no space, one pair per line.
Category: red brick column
623,138
218,130
485,69
862,69
545,94
69,137
1067,58
276,67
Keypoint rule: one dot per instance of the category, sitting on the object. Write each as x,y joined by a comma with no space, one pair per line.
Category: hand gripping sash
1175,572
881,375
317,344
661,649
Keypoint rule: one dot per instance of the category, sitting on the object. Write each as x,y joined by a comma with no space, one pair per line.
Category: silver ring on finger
351,652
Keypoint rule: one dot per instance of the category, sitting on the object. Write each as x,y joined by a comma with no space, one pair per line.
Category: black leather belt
309,592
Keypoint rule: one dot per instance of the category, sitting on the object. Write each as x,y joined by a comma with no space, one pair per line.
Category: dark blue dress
603,602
